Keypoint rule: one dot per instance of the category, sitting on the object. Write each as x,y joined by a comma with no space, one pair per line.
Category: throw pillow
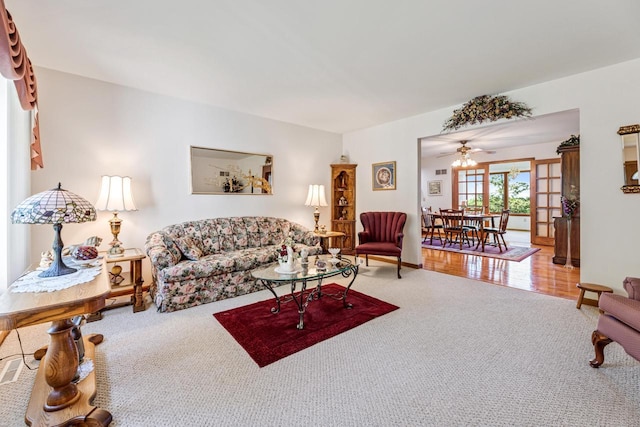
188,248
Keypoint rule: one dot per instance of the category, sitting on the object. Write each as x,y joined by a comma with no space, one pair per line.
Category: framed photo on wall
435,188
383,176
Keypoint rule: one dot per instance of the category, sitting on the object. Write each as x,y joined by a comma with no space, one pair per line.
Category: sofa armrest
303,235
162,250
632,286
399,238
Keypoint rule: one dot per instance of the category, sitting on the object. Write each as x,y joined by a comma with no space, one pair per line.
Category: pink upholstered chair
619,321
382,235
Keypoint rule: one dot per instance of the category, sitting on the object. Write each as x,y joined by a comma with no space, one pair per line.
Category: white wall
607,99
15,140
91,128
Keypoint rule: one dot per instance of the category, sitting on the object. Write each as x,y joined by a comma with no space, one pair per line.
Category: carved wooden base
65,408
599,342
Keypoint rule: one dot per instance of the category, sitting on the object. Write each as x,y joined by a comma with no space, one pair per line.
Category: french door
546,189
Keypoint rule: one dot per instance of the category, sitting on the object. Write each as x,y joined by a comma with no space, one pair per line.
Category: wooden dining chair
430,226
499,232
453,221
473,225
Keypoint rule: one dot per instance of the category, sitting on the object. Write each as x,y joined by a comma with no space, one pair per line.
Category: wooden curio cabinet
343,204
570,169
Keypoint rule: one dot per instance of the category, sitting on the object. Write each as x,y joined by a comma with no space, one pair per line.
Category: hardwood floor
536,273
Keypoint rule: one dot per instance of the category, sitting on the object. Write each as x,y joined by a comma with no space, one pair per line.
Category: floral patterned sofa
202,261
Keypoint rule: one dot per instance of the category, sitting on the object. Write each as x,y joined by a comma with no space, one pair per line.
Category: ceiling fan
464,150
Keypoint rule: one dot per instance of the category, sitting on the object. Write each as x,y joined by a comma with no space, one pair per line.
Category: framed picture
384,176
435,188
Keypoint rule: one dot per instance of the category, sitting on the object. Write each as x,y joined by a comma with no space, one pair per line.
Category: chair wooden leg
366,258
399,265
599,342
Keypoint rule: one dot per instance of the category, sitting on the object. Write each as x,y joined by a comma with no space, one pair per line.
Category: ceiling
334,65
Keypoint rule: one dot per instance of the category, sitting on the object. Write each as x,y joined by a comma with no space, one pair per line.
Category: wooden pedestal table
55,399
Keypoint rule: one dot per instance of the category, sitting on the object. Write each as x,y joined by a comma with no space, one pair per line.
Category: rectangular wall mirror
630,156
230,172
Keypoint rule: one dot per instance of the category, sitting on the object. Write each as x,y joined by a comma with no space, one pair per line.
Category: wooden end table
134,287
591,287
327,236
55,399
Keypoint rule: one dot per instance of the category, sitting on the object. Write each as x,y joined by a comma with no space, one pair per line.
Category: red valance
15,65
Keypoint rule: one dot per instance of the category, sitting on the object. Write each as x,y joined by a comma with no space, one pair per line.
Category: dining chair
453,220
499,232
430,226
473,224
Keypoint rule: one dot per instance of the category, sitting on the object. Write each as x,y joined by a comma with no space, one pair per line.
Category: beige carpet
457,352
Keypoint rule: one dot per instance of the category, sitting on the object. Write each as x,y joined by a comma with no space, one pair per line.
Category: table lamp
55,207
316,198
115,196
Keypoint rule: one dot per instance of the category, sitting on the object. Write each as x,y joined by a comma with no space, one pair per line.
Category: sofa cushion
208,265
624,309
189,248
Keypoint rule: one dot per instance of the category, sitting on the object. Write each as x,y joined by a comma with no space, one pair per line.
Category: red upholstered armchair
382,235
619,321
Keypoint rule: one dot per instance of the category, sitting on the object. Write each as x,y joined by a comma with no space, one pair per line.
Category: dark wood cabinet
570,169
343,204
561,241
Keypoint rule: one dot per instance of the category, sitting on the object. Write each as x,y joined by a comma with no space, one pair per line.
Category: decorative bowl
334,252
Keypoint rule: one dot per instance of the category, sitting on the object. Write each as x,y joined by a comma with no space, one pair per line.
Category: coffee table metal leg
267,284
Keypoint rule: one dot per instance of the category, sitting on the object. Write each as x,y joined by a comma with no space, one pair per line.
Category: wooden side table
327,236
55,399
591,287
135,286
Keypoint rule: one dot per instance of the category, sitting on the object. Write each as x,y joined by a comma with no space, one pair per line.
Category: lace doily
30,282
84,369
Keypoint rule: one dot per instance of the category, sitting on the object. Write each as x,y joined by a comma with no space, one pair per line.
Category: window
470,184
510,190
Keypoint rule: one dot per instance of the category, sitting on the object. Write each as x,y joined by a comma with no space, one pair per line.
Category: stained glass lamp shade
55,207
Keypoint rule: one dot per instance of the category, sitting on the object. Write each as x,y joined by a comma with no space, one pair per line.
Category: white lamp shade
316,196
115,194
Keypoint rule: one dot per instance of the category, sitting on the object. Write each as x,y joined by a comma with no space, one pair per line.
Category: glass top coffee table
270,278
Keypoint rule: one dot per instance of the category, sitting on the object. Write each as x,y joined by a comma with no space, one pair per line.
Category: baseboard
394,262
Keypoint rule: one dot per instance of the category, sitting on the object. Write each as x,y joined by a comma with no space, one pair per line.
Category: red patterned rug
514,253
269,337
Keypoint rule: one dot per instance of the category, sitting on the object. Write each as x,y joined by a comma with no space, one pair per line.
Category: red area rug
269,337
514,253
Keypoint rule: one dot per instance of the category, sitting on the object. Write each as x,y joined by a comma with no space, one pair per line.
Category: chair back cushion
383,226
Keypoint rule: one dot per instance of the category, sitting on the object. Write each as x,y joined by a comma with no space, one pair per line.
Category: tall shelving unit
343,204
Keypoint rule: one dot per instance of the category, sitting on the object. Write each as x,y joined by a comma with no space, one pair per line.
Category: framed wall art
383,176
434,188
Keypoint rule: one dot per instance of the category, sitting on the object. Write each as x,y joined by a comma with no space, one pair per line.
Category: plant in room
573,140
486,108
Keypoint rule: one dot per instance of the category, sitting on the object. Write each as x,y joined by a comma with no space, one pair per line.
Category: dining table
478,218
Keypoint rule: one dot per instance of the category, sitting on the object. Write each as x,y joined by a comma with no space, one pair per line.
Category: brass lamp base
316,217
116,245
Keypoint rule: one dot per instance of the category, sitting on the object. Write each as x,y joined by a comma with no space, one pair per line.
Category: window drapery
16,66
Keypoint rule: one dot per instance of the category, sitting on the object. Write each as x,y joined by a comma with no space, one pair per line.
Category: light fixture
513,172
465,159
55,207
115,196
316,198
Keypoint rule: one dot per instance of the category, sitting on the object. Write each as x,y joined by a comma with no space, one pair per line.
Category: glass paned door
546,189
471,185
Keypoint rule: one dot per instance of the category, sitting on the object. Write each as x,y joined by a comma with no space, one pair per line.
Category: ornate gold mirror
630,155
230,172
